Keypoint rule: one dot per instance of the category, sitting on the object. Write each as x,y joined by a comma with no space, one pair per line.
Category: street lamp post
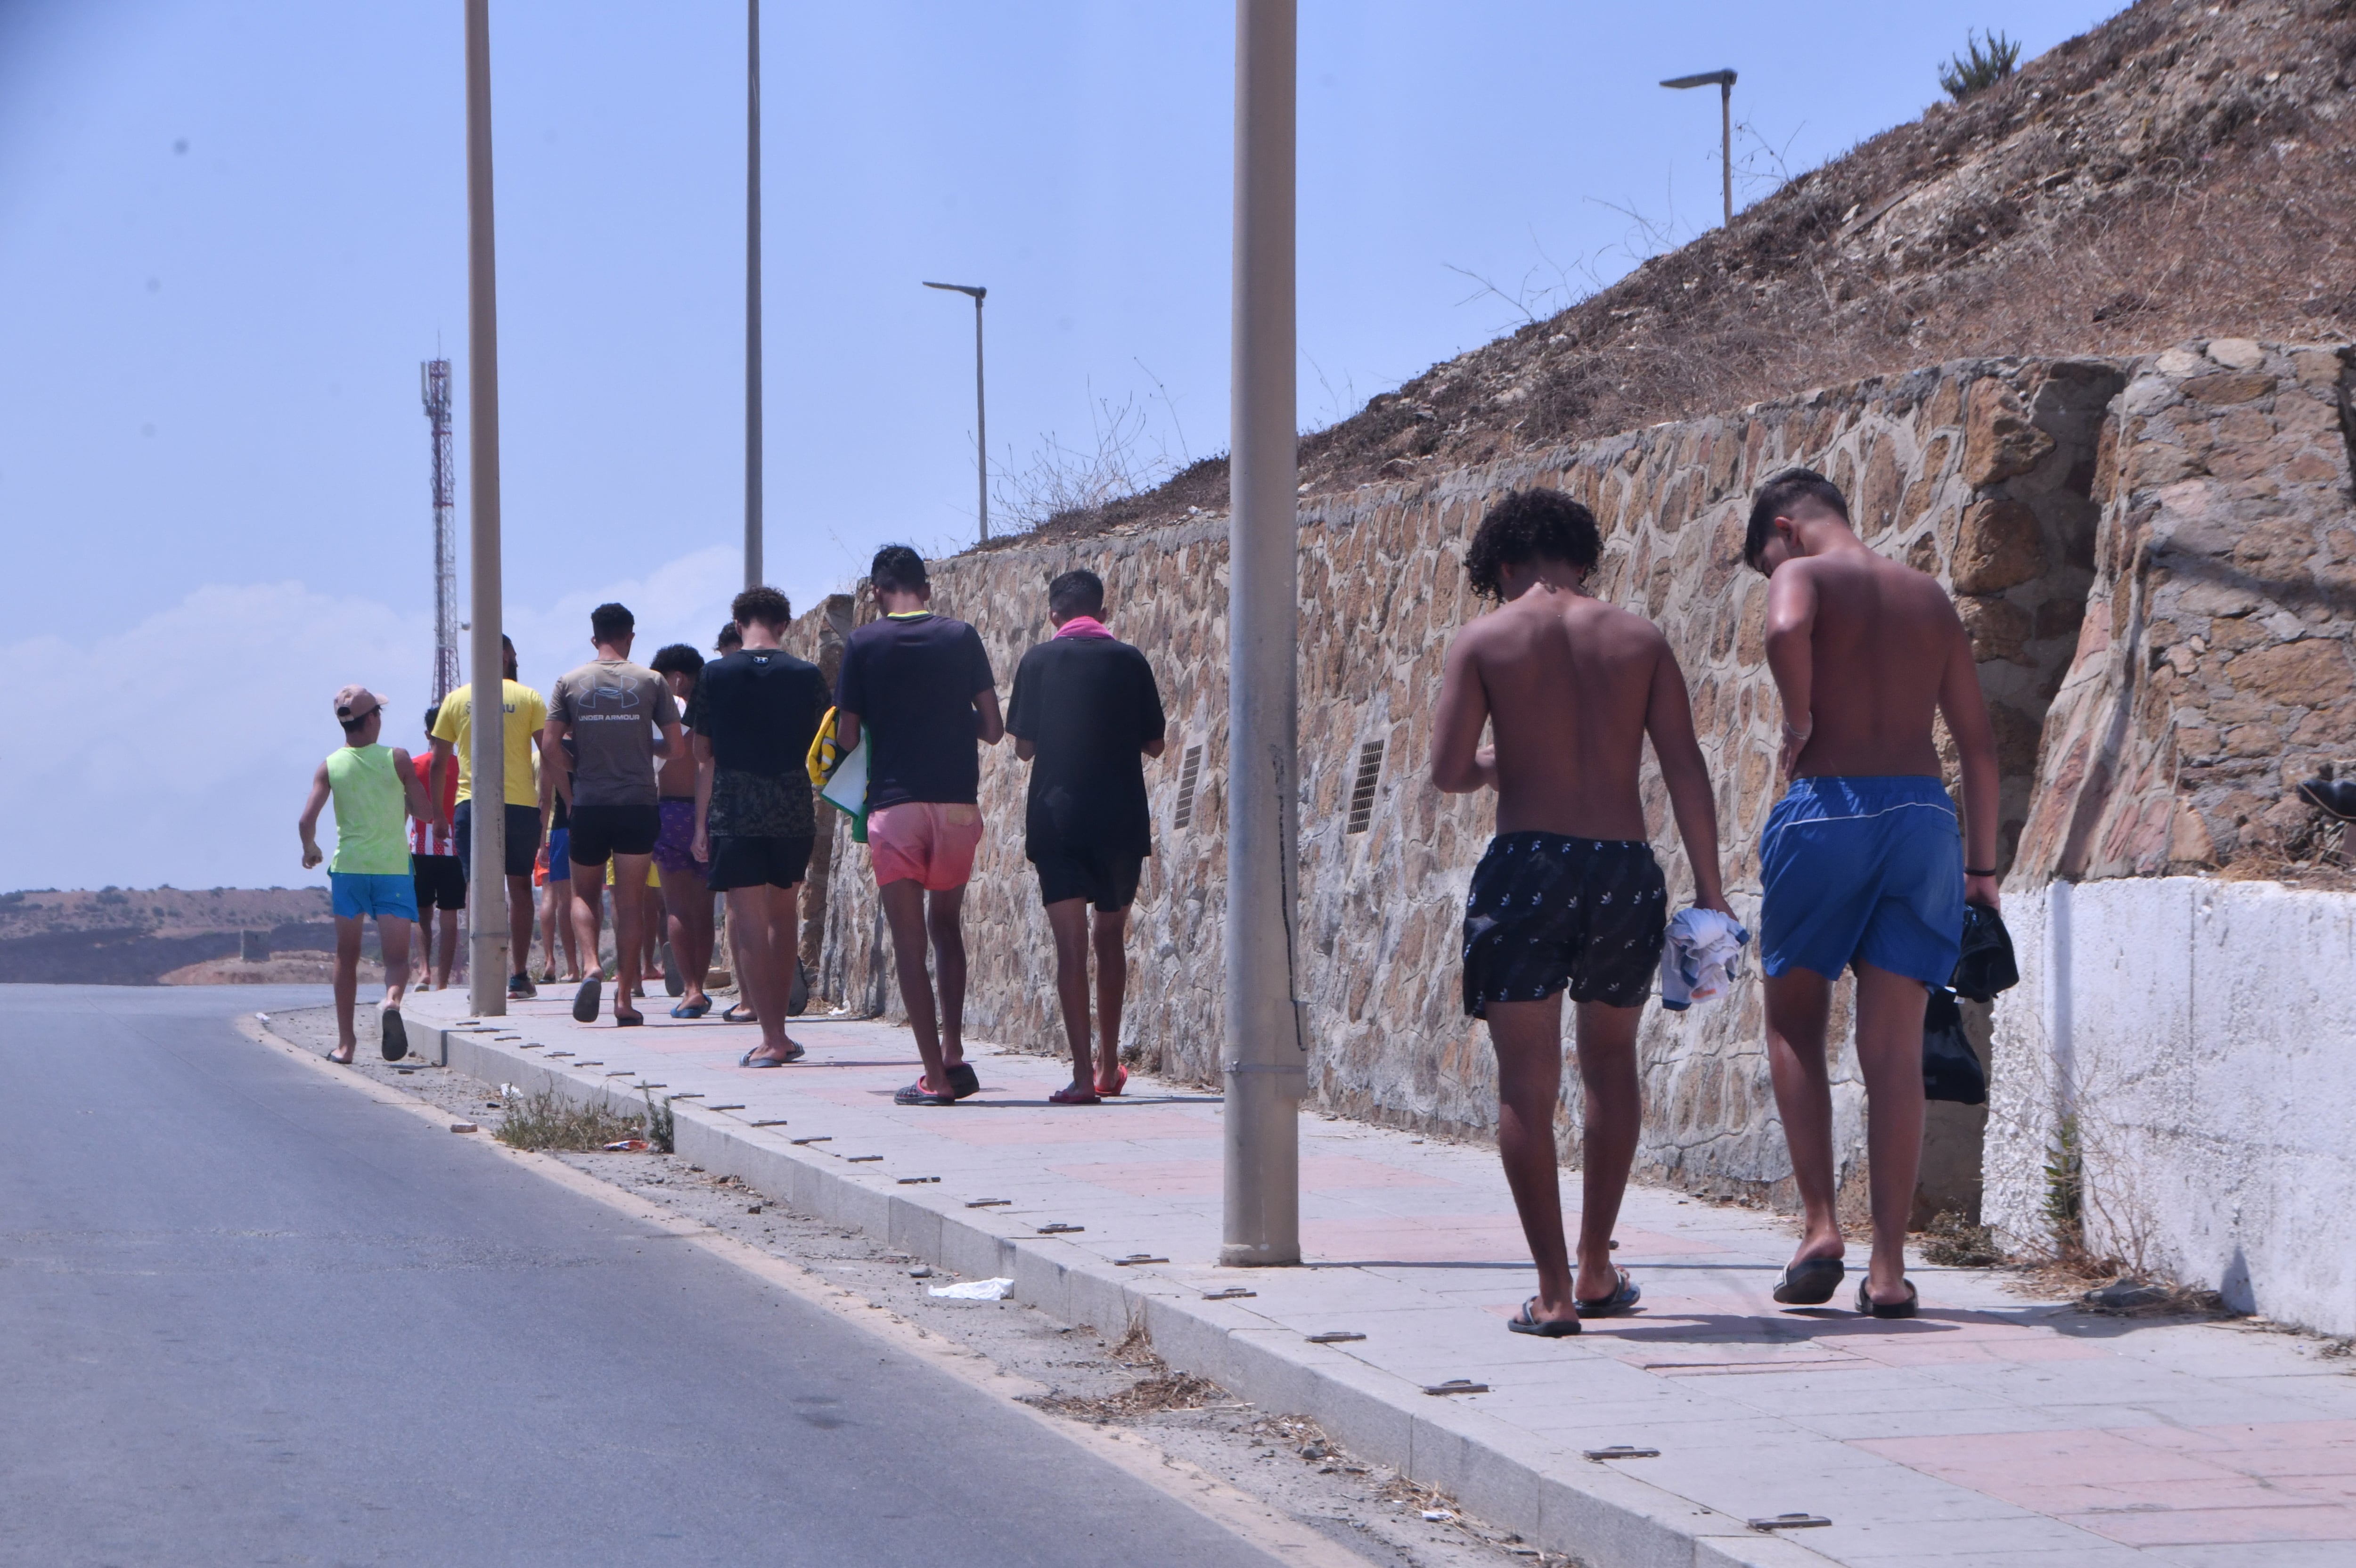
487,942
1724,82
980,423
1264,1054
751,294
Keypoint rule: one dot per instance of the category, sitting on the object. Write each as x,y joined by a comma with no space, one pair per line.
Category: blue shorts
1863,871
560,857
359,895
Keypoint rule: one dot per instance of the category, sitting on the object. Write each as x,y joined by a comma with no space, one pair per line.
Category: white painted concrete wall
2206,1033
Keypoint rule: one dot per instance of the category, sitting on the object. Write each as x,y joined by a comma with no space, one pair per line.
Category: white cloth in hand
1701,958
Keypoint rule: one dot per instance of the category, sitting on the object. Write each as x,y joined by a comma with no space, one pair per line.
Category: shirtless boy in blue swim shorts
1861,863
1569,897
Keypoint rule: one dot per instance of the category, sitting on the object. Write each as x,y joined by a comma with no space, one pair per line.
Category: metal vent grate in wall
1361,792
1190,772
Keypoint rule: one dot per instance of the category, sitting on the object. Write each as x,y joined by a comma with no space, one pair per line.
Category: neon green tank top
371,813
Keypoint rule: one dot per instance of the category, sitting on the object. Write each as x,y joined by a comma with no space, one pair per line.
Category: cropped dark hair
764,604
432,714
1078,592
677,656
610,621
897,568
1777,498
1530,524
731,637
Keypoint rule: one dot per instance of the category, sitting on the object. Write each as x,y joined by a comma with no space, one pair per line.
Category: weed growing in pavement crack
542,1121
659,1125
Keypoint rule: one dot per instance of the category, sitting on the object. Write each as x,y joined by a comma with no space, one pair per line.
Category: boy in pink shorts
918,686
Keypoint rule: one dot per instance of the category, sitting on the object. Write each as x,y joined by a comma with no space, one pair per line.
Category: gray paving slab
1898,1432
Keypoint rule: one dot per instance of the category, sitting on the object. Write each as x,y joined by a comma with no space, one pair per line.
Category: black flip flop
396,1035
963,1081
1624,1297
1529,1322
795,1051
738,1013
585,1000
1810,1282
627,1020
1869,1308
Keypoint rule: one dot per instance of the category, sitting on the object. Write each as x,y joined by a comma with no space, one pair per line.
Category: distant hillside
2185,170
119,936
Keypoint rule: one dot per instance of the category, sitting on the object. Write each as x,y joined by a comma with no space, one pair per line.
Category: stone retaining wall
1983,472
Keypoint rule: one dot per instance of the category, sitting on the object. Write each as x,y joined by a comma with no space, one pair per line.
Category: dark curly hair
677,656
1530,524
764,604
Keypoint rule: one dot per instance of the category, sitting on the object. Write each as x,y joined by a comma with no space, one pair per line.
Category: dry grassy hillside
2188,168
127,936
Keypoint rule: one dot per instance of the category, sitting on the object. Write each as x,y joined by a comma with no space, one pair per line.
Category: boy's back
1879,645
1569,682
1087,704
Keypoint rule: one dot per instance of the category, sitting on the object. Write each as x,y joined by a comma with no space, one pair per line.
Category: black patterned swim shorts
1548,911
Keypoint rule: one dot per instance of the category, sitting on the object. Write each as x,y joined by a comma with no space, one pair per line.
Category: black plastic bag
1951,1070
1986,966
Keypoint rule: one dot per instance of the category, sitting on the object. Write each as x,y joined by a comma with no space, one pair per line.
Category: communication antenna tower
435,381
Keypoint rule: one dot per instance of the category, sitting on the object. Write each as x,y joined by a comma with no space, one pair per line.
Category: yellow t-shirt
527,715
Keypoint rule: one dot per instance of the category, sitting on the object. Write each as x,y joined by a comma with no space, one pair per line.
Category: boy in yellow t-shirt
524,716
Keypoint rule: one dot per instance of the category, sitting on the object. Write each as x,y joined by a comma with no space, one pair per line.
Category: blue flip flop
1625,1296
1528,1322
692,1009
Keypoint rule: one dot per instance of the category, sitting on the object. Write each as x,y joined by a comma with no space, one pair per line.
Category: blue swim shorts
359,895
1863,871
560,854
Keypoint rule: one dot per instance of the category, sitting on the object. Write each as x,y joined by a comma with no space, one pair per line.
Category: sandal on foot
918,1093
1068,1096
963,1080
1119,1083
1869,1308
1529,1322
795,1051
627,1020
738,1013
341,1061
1624,1297
1809,1281
395,1035
694,1009
585,1000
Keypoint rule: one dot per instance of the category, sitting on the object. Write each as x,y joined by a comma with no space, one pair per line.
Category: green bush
1988,58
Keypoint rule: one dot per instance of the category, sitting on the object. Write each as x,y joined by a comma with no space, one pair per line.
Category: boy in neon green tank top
375,789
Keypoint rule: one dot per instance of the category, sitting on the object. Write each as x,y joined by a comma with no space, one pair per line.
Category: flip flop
964,1081
1869,1308
585,1000
795,1051
673,981
1810,1282
694,1009
738,1013
1625,1296
1119,1083
917,1094
396,1035
341,1061
627,1020
1528,1322
1067,1095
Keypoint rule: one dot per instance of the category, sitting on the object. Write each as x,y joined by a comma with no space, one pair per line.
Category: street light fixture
980,428
1724,82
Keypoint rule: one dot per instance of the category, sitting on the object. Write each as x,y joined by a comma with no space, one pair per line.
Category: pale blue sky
212,460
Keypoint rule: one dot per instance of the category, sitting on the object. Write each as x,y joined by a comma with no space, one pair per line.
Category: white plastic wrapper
975,1290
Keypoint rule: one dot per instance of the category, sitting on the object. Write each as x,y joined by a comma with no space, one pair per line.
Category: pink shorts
930,842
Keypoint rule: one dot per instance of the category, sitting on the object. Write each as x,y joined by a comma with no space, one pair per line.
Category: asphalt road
249,1316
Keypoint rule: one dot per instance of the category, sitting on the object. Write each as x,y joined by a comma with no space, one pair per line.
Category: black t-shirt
760,709
913,682
1086,705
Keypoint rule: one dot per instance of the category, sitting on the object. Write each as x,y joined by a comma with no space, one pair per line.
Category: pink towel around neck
1084,626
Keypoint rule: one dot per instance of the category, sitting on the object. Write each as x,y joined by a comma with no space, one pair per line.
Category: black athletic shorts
441,882
523,839
1548,911
1106,880
755,862
602,832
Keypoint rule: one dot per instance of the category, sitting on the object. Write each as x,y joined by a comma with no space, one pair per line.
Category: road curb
1605,1518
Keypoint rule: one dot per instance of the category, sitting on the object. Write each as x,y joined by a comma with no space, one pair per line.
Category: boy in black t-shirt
757,712
1085,712
919,687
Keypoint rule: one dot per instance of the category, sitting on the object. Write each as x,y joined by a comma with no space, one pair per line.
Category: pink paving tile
2007,1464
1950,1351
2221,1527
1202,1178
2239,1492
2267,1448
1079,1125
1417,1238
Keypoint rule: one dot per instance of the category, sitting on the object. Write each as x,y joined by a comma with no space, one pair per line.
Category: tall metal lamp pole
980,415
1724,82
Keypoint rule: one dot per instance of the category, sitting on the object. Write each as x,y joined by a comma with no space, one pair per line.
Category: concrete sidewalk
1991,1430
